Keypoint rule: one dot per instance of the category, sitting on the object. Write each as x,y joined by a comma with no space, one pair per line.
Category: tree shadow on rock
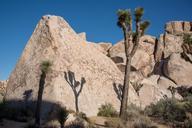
118,88
76,86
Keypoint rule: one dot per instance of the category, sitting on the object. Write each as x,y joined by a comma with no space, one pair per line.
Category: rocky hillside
158,64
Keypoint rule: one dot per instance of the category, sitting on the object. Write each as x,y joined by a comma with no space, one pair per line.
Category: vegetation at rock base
131,38
107,110
176,112
135,117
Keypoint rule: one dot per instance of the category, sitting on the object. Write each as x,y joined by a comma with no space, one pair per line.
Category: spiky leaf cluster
124,18
187,38
143,26
138,14
45,66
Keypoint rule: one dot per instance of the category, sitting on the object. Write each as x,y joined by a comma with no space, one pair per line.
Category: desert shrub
187,38
115,123
133,112
107,110
143,122
17,114
168,109
188,123
75,124
81,116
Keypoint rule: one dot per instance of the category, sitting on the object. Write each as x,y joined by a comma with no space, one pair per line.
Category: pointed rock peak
55,40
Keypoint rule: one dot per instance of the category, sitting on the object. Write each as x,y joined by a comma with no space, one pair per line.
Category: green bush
107,110
143,123
133,112
187,38
168,109
115,123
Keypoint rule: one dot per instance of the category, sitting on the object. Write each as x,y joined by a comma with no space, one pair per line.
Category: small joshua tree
131,43
45,66
76,86
172,90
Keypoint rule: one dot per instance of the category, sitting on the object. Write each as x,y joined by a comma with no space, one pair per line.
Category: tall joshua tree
45,66
131,43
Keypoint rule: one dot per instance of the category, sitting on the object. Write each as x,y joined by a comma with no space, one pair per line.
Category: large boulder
143,60
172,44
54,40
155,88
178,69
105,45
3,85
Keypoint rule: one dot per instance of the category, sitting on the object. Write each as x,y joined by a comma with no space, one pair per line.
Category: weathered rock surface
82,35
105,46
143,60
3,85
178,27
54,40
178,70
173,57
172,44
155,88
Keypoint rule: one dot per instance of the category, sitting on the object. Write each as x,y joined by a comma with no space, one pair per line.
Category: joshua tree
131,43
45,66
172,90
62,116
70,78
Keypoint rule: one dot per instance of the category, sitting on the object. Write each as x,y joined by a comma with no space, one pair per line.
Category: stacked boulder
3,85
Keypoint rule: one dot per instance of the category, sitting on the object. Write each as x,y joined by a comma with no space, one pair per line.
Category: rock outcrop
178,70
178,27
3,85
54,40
143,60
155,88
175,54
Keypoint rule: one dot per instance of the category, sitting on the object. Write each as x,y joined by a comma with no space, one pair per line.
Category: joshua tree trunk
39,100
125,91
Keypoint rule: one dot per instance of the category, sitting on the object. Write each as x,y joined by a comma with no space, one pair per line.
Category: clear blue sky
97,18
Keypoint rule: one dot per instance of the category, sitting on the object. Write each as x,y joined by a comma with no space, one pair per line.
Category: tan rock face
178,27
158,54
105,46
143,60
172,44
178,70
155,88
3,85
82,35
54,40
